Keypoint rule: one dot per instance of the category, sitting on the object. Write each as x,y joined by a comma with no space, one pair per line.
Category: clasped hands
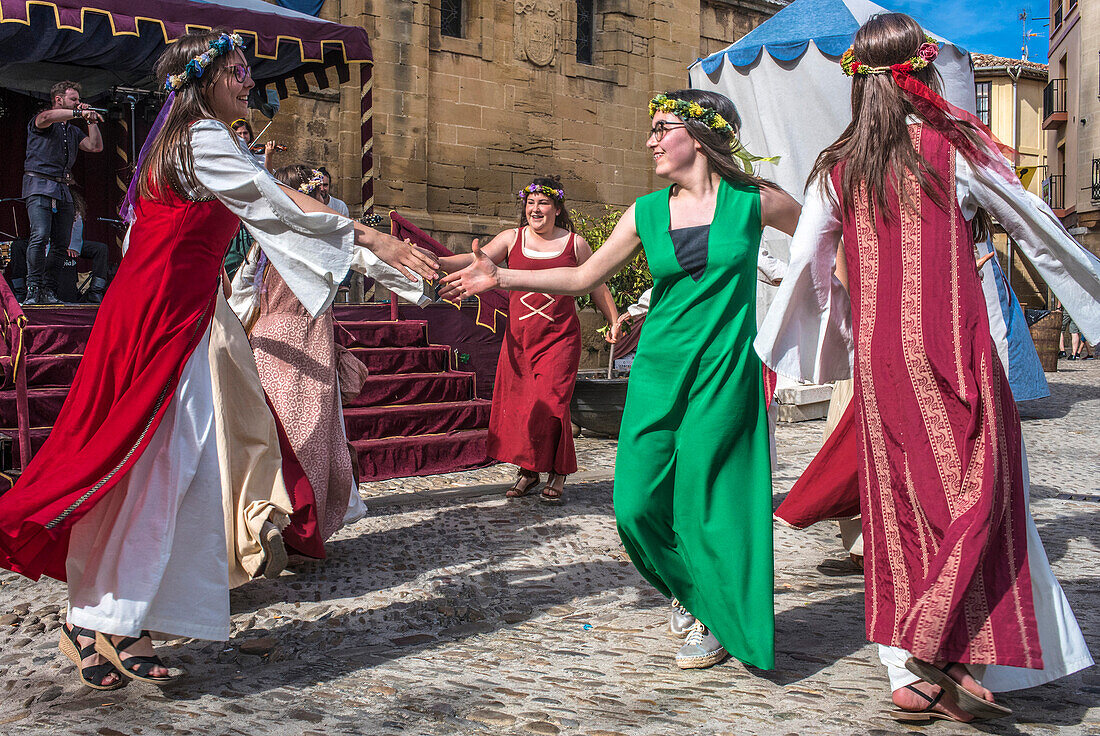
479,276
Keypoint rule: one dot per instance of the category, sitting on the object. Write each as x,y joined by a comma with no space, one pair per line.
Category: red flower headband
926,54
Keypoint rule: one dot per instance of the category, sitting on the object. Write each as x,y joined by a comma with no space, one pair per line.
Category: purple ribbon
129,202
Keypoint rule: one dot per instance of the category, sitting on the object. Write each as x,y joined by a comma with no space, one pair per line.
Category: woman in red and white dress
529,425
125,498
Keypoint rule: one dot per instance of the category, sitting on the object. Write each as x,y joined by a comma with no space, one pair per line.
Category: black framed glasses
240,72
657,132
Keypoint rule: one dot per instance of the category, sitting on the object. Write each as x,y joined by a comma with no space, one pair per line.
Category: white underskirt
1063,645
152,554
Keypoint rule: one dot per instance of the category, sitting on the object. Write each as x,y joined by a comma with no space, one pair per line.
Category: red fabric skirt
939,457
152,317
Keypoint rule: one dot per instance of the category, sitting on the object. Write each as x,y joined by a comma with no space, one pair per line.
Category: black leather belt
66,180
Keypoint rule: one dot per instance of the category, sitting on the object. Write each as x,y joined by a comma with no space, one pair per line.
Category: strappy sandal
551,495
92,675
925,714
518,491
136,667
968,701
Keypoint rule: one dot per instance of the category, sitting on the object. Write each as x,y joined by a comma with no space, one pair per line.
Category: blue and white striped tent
785,78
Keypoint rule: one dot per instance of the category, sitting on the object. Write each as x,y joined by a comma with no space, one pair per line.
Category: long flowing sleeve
1072,272
312,251
807,332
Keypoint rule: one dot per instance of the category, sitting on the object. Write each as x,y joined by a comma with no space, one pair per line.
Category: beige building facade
1009,94
466,110
1071,115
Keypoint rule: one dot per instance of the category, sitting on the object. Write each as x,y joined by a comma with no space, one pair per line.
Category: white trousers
1063,645
152,554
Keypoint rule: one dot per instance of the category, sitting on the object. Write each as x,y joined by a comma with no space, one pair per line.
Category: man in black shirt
52,144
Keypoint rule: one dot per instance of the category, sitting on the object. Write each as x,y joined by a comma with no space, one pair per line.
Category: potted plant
599,396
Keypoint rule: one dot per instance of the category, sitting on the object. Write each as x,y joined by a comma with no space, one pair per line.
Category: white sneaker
701,649
680,621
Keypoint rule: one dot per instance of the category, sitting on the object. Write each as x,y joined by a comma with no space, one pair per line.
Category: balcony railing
1054,191
1054,100
1096,180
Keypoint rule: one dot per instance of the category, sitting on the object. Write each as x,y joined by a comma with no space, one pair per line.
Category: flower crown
307,187
558,194
713,120
926,54
693,110
194,69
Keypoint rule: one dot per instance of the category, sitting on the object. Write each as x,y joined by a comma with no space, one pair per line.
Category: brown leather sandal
520,489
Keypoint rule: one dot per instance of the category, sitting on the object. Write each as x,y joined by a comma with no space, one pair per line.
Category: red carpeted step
38,436
415,388
44,405
41,339
389,361
397,457
51,370
368,423
407,333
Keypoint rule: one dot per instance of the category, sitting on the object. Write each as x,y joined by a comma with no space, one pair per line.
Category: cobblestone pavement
452,611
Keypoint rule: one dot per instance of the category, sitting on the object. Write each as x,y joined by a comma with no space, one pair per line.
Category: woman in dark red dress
529,425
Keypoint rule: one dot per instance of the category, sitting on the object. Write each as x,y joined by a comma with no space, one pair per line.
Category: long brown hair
875,148
716,144
563,220
172,146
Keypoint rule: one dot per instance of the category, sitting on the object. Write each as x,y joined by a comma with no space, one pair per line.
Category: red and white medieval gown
125,498
931,587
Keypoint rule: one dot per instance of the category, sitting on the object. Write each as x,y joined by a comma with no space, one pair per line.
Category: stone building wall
461,124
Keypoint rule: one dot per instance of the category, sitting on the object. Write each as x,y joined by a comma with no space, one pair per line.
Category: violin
259,148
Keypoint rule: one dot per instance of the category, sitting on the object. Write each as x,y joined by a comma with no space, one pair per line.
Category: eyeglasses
240,72
657,132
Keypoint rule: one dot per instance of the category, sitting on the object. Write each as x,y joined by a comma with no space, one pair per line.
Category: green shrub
634,278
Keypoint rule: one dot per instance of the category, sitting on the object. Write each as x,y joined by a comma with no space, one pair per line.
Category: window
450,18
586,21
983,90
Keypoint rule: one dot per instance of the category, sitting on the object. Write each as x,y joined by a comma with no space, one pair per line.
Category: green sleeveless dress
693,495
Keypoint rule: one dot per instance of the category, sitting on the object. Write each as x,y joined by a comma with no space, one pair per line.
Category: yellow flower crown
690,110
307,187
712,119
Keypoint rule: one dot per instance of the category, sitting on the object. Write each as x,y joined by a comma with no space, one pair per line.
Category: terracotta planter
598,402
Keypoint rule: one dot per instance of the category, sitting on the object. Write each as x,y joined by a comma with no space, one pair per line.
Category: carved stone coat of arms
537,30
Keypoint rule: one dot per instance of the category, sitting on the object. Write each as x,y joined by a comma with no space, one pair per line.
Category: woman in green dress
693,498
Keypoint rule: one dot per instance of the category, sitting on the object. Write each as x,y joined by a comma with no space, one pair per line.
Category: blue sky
982,26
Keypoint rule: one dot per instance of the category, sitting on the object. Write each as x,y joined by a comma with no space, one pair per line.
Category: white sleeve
769,269
807,332
642,305
244,301
1072,272
312,251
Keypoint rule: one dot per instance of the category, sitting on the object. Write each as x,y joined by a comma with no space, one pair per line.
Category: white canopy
786,81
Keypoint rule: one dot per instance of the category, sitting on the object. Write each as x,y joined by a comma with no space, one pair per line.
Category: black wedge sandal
92,675
136,667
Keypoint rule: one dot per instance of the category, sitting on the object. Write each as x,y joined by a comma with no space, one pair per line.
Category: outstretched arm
496,249
601,295
483,274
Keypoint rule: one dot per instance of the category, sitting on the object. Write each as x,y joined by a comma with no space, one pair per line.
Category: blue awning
830,24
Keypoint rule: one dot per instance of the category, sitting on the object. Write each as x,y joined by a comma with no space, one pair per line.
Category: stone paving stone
443,613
